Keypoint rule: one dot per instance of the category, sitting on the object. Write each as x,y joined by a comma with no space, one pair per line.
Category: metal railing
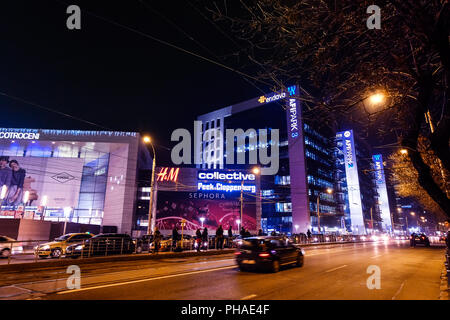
34,250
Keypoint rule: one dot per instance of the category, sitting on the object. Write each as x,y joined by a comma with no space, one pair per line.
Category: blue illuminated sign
383,200
351,173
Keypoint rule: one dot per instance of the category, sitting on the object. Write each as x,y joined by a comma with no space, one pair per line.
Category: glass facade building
86,177
277,192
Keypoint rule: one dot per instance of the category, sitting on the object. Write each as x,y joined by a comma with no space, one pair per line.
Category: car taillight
264,255
237,253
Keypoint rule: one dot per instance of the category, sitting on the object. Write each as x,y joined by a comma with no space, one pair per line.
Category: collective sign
225,181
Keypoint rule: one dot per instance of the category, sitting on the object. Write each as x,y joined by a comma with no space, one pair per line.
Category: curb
444,295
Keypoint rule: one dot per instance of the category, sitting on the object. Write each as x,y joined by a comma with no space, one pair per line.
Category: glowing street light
376,98
201,220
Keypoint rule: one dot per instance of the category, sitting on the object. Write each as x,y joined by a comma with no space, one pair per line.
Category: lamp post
148,140
329,191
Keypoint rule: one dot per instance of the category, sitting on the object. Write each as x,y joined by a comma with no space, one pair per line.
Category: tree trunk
410,141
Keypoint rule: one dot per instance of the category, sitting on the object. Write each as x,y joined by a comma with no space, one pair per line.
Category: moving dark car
267,253
102,245
421,238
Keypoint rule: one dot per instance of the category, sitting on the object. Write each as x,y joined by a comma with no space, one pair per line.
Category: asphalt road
331,272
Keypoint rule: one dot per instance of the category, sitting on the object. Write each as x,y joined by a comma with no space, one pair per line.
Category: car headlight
79,247
18,249
46,247
302,251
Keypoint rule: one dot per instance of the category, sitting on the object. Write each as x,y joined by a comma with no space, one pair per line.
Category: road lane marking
334,269
249,297
399,290
144,280
374,257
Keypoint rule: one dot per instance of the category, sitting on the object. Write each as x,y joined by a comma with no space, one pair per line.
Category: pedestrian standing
260,232
174,238
230,236
308,234
242,233
219,237
156,240
205,238
198,239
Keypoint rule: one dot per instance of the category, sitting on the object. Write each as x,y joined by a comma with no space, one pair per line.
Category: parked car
166,243
9,246
57,248
267,253
102,245
421,238
144,243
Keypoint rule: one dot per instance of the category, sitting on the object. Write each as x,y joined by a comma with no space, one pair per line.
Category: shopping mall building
87,177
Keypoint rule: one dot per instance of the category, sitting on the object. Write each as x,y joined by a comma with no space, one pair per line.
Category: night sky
109,75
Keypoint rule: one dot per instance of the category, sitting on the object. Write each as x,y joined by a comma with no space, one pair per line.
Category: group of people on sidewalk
201,238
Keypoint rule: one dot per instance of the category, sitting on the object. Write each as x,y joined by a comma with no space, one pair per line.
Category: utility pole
148,140
242,203
318,212
406,217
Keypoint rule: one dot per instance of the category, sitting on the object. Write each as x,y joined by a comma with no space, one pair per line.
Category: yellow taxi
57,248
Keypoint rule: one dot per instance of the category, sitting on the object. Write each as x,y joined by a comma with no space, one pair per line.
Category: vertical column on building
297,163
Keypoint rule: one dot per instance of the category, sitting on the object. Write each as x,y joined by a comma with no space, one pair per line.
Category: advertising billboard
353,189
40,181
213,208
383,200
207,198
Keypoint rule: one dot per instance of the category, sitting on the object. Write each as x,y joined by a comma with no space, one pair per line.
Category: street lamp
376,98
404,151
201,220
148,140
329,191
